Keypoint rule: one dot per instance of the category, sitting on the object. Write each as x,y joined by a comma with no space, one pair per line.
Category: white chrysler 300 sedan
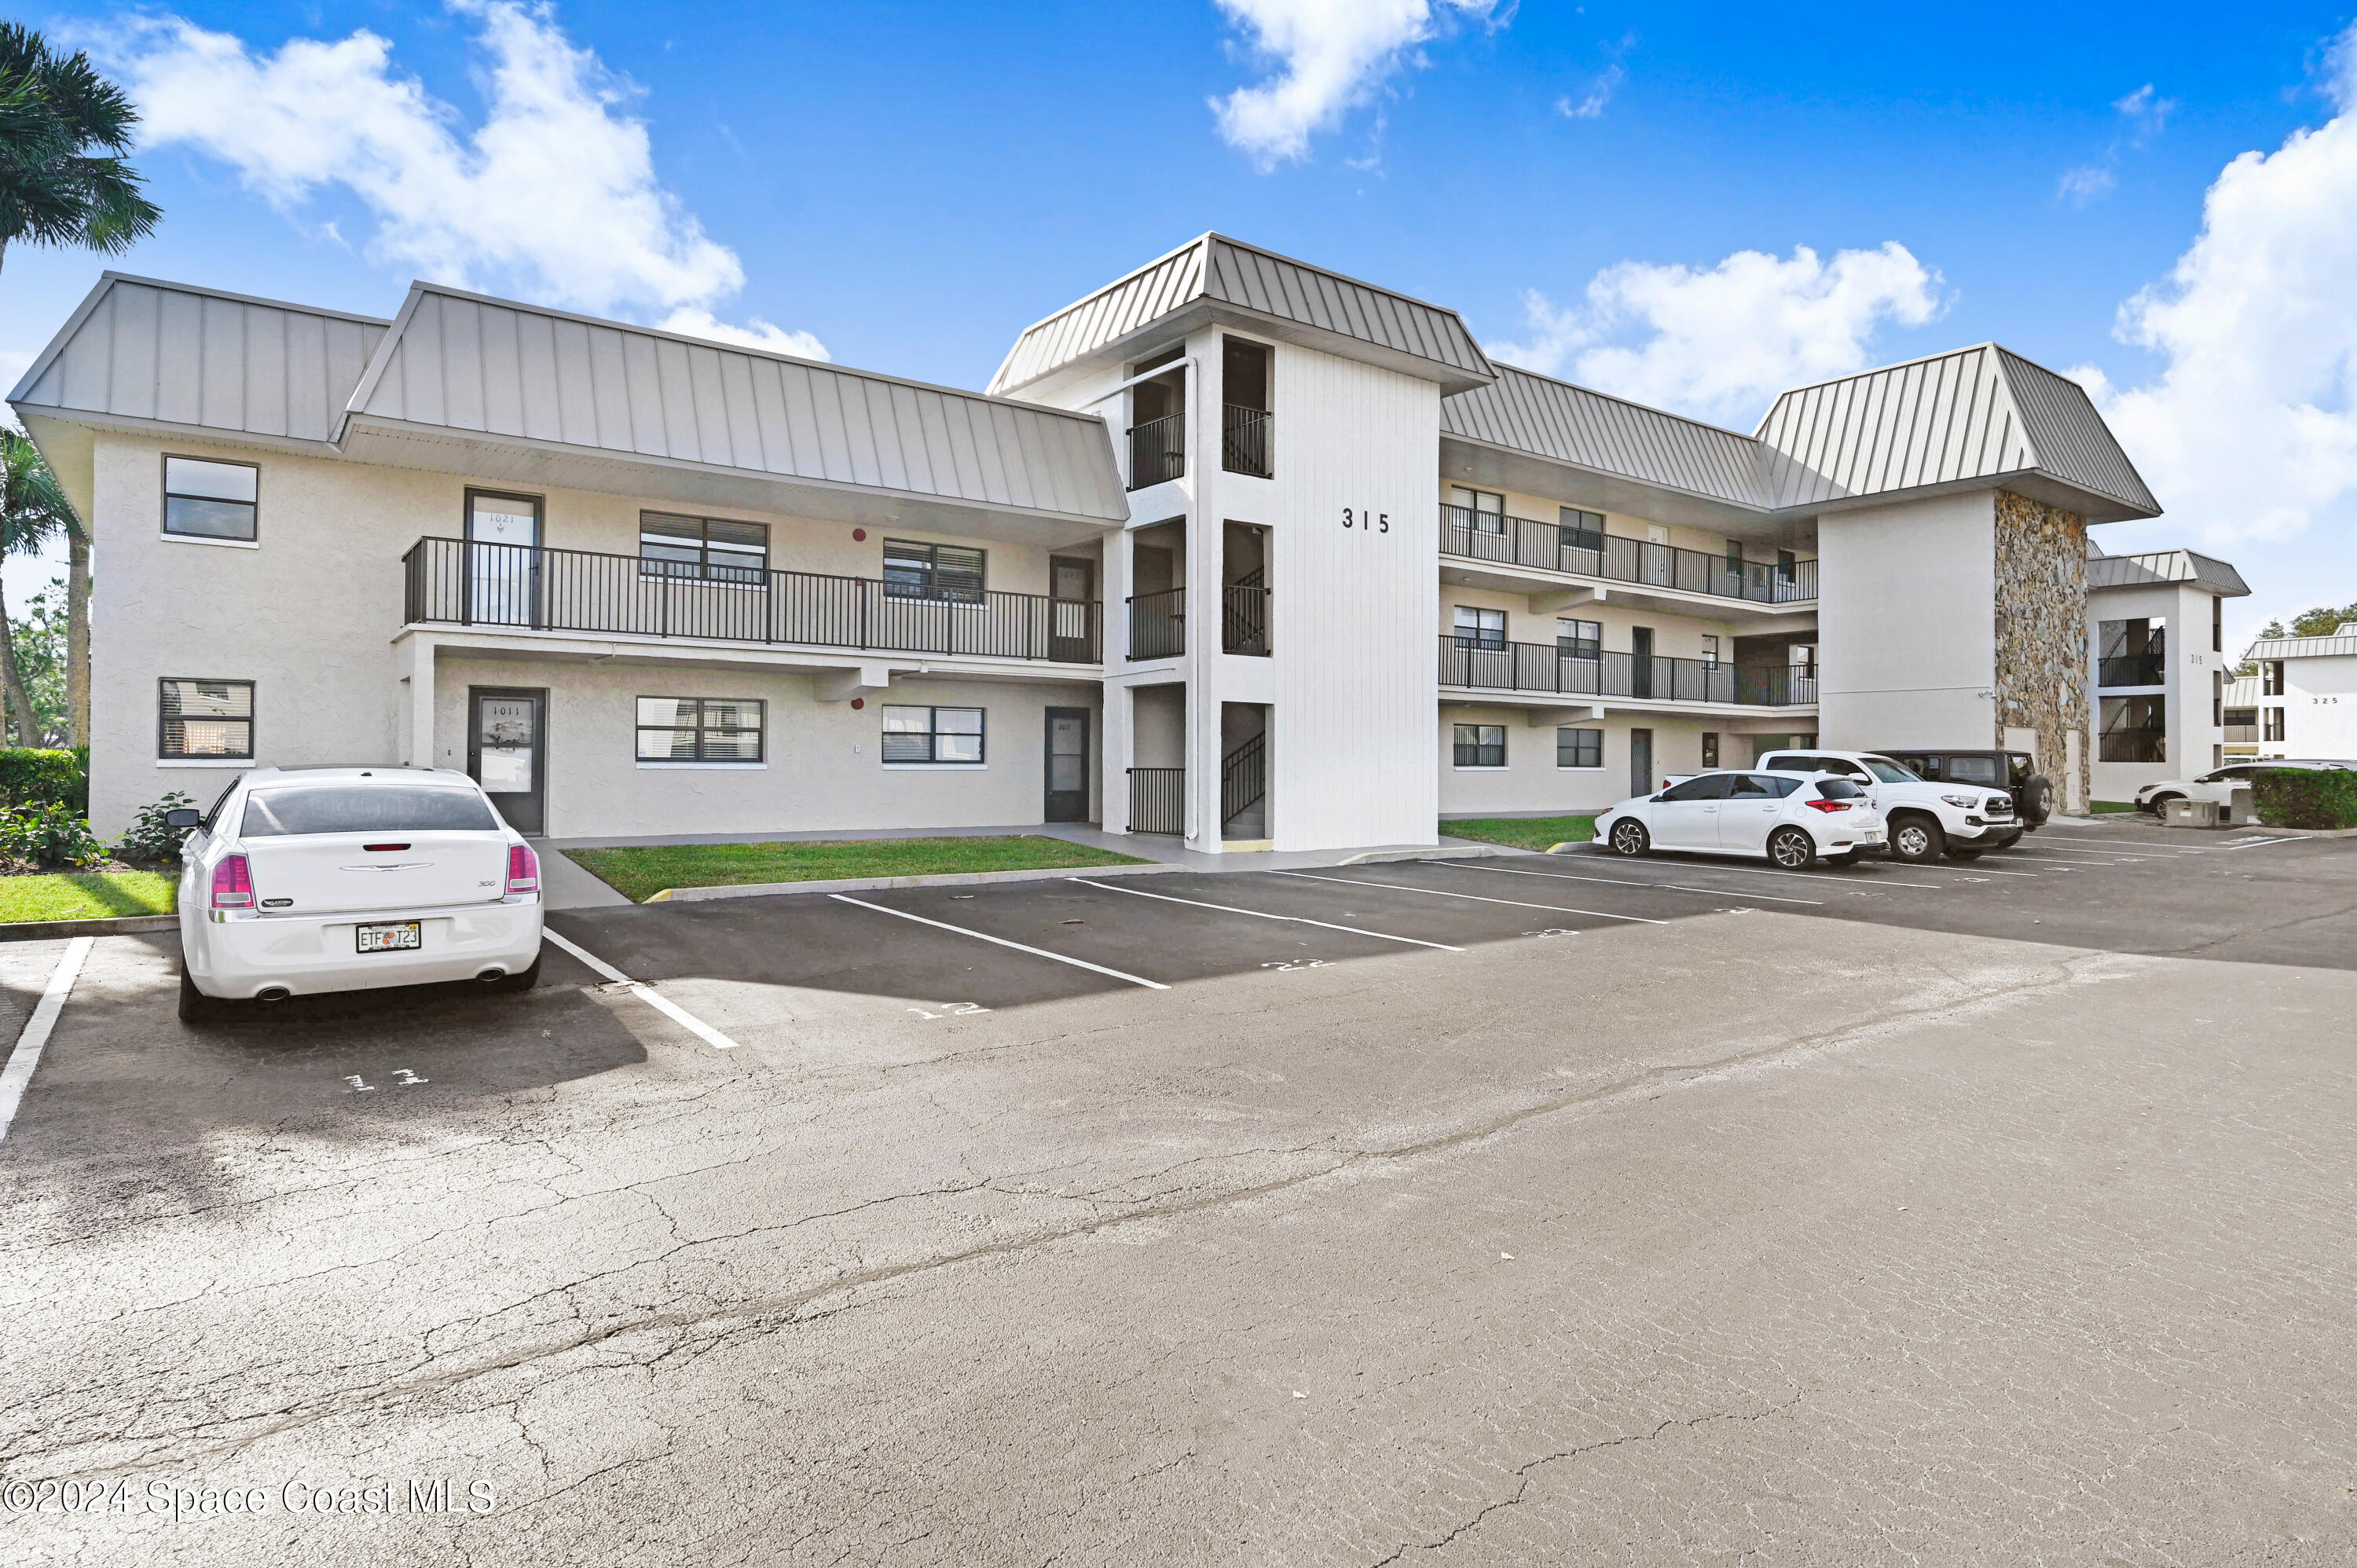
1790,818
315,879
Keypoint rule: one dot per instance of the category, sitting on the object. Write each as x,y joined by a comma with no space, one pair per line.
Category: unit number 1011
1373,521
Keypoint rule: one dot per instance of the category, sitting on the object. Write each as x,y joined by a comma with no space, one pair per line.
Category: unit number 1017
1373,521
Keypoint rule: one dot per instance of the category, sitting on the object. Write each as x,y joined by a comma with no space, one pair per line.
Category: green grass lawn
1524,832
86,896
2103,808
641,872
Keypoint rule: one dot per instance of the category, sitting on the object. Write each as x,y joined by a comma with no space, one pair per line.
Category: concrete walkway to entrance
566,886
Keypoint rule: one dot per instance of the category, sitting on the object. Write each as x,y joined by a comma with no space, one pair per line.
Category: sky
1694,207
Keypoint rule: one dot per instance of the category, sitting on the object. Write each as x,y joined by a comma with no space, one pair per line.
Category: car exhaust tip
494,972
273,993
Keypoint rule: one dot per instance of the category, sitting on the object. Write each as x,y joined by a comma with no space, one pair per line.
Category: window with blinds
709,549
950,572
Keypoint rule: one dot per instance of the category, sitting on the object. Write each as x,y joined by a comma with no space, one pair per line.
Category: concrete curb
1568,845
115,926
880,883
1469,852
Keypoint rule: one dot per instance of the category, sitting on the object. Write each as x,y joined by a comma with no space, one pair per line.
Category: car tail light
233,884
1827,805
523,869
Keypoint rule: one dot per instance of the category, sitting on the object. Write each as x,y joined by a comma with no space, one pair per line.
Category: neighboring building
2156,649
2305,694
1358,575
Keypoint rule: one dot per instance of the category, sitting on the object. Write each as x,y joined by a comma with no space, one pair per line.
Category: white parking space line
1854,881
646,994
1474,897
1622,882
2085,852
1974,869
1264,914
2257,843
27,1054
1001,941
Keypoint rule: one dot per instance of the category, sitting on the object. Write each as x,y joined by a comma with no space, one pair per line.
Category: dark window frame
702,569
2271,677
163,471
761,731
932,734
1480,638
1579,747
931,591
1584,533
163,753
1710,749
2272,723
1477,746
1484,521
1587,648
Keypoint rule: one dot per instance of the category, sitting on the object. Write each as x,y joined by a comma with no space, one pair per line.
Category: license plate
388,939
1871,836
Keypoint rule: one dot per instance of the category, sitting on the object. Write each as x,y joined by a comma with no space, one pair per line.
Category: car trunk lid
313,874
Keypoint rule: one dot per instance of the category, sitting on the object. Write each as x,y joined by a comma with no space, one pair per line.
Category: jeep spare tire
2037,798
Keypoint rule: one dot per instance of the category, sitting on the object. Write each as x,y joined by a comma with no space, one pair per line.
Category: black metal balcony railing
1243,441
1158,624
467,584
1158,450
1158,800
1542,666
2133,745
1526,542
2132,669
1244,779
1244,619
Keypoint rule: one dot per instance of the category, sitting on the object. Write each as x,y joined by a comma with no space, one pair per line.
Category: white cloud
552,196
1590,106
1329,57
2080,186
2248,431
2146,115
693,321
1718,342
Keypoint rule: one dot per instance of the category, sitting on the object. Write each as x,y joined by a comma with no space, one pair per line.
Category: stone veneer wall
2041,634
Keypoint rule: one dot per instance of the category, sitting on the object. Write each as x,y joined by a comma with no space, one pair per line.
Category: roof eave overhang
49,415
522,459
2034,483
1202,311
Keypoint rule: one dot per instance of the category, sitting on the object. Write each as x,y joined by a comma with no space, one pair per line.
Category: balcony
2132,670
1157,451
1509,541
1244,441
2137,744
455,582
1542,667
1158,624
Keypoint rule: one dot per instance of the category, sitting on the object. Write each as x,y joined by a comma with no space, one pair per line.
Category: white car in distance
303,880
1925,819
2220,783
1790,818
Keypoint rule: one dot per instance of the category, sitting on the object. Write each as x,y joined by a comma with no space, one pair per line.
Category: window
1481,746
699,729
1709,786
205,719
1480,629
2275,724
205,499
1580,749
1974,770
2242,724
1579,638
2217,696
1710,652
1734,557
1581,530
1484,511
950,573
2133,652
711,549
1710,749
1786,566
2271,678
380,808
933,735
2217,623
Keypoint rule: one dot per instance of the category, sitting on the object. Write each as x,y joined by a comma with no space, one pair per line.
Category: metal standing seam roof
2342,643
463,362
2156,566
1525,411
164,353
1227,271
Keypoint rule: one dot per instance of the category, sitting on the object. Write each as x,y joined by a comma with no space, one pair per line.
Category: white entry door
502,558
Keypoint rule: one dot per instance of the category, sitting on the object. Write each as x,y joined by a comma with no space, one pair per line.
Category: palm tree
34,513
63,181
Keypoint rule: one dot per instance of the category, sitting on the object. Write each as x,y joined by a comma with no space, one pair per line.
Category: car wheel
2159,805
197,1009
1792,848
1631,838
521,980
1917,840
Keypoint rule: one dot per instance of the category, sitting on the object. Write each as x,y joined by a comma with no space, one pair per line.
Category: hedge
35,776
2307,797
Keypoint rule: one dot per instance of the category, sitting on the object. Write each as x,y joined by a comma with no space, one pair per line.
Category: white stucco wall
1908,623
2319,704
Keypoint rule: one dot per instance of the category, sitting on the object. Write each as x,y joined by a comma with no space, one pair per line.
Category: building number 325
1377,523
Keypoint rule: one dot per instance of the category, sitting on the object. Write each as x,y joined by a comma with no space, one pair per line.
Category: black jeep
2012,772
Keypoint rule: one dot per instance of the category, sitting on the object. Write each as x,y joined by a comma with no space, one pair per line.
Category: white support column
418,743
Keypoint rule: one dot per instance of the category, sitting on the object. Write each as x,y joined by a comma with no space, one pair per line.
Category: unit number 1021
1373,521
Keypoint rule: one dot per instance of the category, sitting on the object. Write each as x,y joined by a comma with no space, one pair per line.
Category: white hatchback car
1790,818
316,879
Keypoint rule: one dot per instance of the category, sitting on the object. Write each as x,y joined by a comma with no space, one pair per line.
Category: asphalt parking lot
1540,1207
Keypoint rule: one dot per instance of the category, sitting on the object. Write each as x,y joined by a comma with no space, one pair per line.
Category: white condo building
2303,700
1235,548
2157,644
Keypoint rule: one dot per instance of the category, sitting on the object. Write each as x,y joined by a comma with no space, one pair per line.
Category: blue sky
908,185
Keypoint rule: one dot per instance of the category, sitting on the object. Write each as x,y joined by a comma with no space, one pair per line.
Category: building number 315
1377,523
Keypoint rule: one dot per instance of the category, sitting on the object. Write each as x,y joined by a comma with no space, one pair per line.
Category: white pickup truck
1925,820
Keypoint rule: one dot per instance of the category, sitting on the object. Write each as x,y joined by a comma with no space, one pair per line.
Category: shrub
47,833
147,838
35,775
2306,797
